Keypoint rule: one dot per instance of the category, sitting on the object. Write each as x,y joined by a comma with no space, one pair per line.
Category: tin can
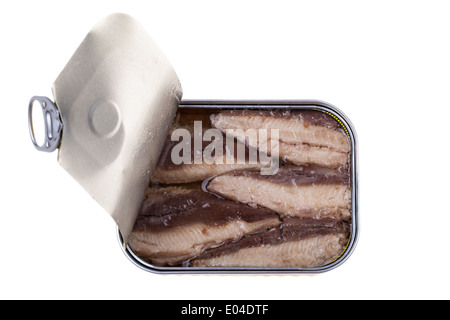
219,105
111,147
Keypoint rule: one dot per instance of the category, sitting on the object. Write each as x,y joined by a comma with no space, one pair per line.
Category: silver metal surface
278,104
117,97
52,124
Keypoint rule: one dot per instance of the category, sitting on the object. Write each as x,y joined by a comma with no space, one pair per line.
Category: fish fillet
289,192
300,244
308,253
306,137
167,172
177,224
187,173
303,154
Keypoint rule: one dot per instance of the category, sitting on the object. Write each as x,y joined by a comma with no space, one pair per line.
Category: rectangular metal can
272,105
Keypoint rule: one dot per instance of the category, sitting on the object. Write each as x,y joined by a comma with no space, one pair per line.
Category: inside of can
239,186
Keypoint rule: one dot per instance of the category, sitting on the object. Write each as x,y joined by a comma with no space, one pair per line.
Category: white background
385,64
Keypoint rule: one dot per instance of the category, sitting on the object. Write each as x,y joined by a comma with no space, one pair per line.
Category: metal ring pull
52,121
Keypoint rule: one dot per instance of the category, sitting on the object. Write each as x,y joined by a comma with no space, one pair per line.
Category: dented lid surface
117,97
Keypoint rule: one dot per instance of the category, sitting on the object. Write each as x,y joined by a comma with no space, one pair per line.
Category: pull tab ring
52,121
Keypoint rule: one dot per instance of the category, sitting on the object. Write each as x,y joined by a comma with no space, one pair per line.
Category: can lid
117,98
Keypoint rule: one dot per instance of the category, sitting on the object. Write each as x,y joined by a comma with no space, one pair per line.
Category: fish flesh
303,154
305,136
176,224
300,243
309,192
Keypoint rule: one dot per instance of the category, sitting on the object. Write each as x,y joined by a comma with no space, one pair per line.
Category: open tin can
119,124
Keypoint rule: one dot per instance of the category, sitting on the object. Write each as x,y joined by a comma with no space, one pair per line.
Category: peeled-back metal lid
116,99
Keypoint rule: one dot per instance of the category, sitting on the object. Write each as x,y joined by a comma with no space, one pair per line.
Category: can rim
297,104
